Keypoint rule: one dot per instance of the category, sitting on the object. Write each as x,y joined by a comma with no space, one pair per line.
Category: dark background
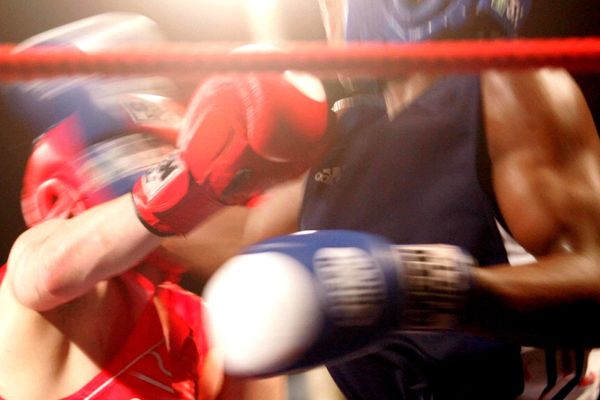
200,20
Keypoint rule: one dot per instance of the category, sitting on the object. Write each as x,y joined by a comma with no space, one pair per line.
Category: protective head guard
70,171
417,20
94,135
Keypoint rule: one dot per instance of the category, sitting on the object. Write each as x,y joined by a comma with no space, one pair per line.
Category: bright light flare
264,20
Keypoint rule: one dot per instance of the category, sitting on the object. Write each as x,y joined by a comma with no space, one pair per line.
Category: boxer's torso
417,179
106,345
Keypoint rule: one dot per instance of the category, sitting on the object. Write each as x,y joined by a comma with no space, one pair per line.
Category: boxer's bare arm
277,214
228,231
61,259
546,173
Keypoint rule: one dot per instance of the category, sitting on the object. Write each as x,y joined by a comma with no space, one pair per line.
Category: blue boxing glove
312,298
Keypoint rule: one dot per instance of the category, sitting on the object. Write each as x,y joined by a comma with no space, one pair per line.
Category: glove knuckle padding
292,105
284,123
213,132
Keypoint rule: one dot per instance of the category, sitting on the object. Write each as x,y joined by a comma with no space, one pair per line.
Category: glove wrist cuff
437,279
169,202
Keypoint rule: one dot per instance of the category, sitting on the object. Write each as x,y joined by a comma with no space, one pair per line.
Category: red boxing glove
240,137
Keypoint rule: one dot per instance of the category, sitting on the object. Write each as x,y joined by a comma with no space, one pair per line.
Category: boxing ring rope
374,59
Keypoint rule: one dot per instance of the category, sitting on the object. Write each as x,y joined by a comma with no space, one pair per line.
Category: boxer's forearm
548,302
59,260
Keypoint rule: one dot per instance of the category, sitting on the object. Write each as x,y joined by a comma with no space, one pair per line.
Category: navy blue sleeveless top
419,178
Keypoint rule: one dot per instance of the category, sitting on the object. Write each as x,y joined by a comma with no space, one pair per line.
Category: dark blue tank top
419,178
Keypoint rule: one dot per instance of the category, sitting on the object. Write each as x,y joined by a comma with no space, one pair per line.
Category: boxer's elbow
41,294
34,275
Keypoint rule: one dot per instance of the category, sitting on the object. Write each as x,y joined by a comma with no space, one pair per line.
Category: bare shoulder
64,347
545,155
544,106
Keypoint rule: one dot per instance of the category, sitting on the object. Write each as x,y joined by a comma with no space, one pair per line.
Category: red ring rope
375,59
